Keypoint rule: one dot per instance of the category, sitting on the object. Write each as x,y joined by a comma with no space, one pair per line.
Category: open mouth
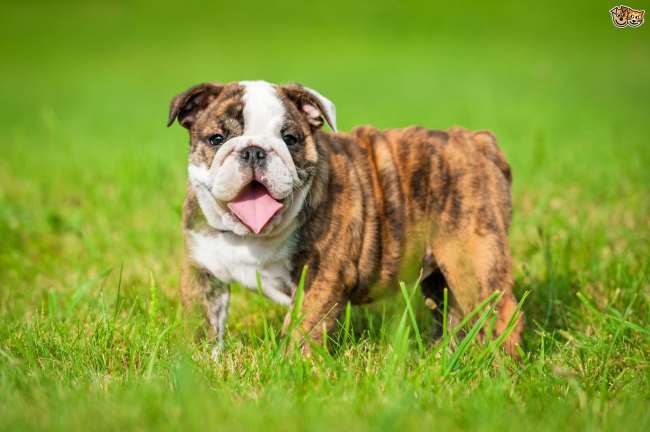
254,206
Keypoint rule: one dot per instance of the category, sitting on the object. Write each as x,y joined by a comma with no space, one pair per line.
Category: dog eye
289,139
216,139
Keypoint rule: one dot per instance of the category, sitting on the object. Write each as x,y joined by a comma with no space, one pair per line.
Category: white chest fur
233,258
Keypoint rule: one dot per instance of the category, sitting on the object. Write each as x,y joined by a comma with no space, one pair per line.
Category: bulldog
270,192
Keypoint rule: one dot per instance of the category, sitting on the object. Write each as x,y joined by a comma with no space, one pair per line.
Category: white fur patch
232,258
263,109
198,174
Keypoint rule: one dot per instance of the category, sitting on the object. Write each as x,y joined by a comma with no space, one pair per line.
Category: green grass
91,182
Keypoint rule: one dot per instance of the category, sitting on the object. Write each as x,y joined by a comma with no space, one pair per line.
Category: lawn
91,183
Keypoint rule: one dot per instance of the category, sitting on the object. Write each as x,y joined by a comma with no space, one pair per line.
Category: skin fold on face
244,134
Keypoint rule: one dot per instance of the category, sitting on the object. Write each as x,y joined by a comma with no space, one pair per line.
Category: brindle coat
383,204
403,194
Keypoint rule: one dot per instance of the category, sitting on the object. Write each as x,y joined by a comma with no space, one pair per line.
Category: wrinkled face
252,151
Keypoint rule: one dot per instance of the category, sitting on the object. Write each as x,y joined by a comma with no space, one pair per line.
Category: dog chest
232,258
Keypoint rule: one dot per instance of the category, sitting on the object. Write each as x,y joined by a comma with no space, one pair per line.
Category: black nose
253,155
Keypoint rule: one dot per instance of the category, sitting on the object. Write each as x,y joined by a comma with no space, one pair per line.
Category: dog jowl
270,192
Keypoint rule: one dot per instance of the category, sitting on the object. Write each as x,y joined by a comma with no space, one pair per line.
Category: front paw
217,353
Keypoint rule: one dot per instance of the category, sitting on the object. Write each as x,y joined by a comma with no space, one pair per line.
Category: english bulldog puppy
270,192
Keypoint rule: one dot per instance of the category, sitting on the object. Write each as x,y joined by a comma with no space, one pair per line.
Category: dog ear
316,107
188,104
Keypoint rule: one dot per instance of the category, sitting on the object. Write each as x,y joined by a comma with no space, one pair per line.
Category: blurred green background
91,181
86,86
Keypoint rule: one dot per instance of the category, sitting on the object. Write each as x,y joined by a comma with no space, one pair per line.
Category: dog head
253,153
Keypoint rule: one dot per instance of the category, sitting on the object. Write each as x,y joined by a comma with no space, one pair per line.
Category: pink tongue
254,206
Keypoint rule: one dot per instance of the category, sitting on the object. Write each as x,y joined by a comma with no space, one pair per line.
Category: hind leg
474,266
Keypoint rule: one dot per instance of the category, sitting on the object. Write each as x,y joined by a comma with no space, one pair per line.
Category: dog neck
319,183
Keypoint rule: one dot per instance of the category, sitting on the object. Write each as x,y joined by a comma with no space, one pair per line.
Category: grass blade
409,311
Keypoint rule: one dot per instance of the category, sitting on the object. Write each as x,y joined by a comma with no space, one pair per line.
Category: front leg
322,303
199,284
216,301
